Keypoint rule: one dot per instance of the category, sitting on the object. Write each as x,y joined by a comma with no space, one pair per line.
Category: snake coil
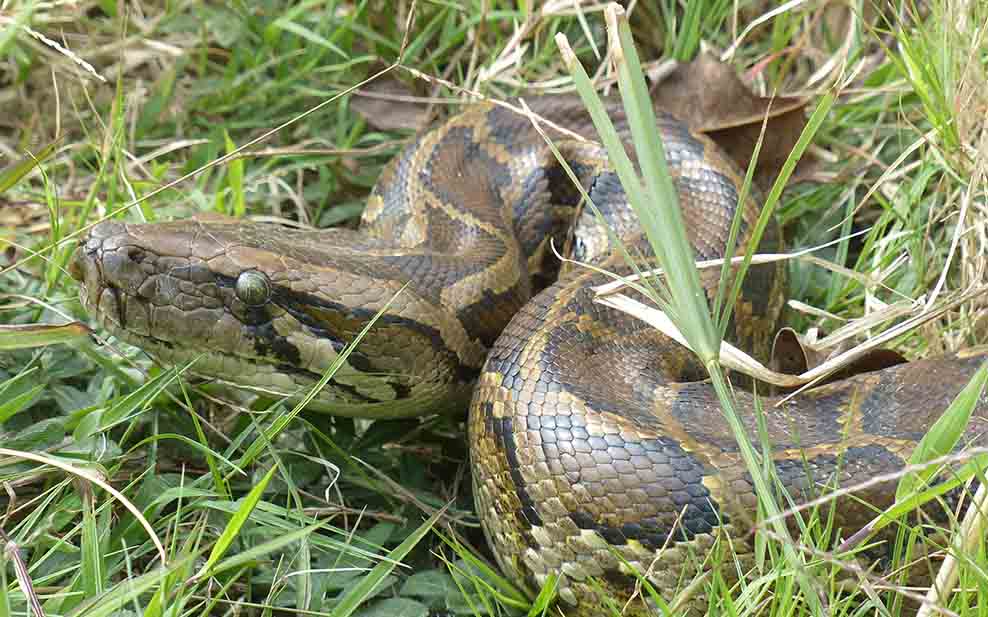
596,446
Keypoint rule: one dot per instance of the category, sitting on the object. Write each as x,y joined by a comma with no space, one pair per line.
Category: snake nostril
119,267
135,254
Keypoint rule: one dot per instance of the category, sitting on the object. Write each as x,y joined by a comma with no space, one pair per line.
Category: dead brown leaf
25,216
709,96
389,104
794,354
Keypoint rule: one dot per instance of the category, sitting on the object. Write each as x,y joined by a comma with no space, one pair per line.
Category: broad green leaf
38,436
19,402
429,584
395,607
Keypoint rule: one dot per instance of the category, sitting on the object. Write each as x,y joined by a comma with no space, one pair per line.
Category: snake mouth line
180,314
205,363
110,305
271,376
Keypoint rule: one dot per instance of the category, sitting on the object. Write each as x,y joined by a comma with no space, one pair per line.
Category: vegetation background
333,516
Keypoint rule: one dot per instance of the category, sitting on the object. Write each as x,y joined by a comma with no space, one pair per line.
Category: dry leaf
789,355
709,96
795,354
388,104
25,216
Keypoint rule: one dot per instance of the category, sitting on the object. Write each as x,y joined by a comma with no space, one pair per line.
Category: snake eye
253,288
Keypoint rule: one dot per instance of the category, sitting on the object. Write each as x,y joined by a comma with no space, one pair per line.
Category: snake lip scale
596,446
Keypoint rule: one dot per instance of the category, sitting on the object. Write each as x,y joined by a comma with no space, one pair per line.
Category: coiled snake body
595,444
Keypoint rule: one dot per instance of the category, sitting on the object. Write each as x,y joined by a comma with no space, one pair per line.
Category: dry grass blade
965,542
103,484
756,259
12,550
860,326
734,358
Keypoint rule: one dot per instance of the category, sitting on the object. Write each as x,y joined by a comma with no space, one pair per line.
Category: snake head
269,309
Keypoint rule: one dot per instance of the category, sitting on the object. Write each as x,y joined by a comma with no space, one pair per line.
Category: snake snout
107,266
83,265
108,257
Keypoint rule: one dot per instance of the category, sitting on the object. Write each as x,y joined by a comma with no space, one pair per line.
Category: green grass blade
236,523
12,174
912,501
244,558
235,178
40,335
688,36
369,583
820,113
543,601
206,451
943,435
133,402
619,158
732,238
18,403
92,573
4,596
209,609
663,224
109,602
656,201
492,580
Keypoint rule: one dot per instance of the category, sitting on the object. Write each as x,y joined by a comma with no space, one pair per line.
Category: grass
172,87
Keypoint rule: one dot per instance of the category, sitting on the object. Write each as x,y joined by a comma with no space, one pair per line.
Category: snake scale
595,443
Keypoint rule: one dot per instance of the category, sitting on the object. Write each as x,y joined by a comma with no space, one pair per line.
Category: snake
598,448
